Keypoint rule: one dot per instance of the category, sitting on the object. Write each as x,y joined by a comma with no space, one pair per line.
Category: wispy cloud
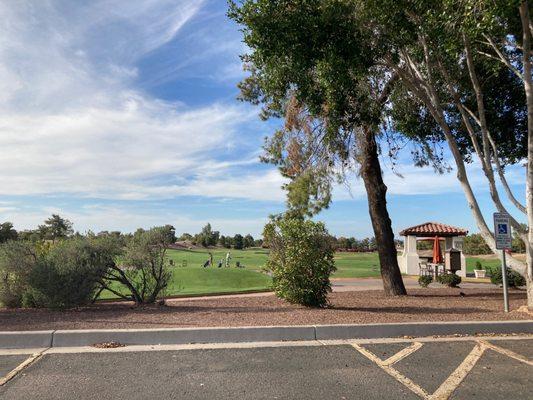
71,119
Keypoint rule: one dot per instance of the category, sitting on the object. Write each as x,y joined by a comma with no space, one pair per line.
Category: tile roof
433,229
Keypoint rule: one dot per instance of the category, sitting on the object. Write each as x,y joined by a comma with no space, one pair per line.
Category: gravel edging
76,338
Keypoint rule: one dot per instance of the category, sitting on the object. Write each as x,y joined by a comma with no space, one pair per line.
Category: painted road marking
403,353
446,389
34,357
449,386
392,372
507,352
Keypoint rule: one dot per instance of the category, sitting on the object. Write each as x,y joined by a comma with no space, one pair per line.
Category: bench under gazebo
415,262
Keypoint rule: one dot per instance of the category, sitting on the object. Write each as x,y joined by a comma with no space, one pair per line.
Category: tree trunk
381,223
528,87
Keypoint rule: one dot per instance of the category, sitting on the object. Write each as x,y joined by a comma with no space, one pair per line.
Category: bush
301,261
68,275
478,265
475,244
450,280
425,280
514,279
144,271
17,259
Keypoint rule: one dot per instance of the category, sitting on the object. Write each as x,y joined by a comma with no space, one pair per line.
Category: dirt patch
346,308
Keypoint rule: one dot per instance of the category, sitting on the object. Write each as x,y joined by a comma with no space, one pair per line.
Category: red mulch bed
346,308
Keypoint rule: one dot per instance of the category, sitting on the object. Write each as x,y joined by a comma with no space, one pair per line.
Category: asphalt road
410,370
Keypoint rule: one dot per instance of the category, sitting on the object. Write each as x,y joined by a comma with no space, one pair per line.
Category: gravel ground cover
371,306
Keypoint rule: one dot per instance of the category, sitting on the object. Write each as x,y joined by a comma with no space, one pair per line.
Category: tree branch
502,58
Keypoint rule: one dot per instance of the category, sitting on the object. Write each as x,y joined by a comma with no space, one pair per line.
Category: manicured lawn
491,262
189,276
251,259
356,265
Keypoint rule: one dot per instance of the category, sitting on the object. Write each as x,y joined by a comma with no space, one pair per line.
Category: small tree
301,261
143,270
55,228
248,241
7,232
475,245
238,242
207,237
170,232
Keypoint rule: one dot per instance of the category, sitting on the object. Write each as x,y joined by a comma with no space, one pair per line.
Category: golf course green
189,277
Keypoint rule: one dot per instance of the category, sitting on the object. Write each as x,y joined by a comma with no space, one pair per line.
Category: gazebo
409,261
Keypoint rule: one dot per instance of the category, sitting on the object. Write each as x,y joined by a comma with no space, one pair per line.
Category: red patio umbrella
437,256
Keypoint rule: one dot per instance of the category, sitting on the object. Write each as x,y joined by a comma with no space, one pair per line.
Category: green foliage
55,227
514,279
475,244
425,280
144,270
68,274
248,241
207,237
301,261
170,233
238,242
17,260
7,232
311,64
450,280
517,244
478,265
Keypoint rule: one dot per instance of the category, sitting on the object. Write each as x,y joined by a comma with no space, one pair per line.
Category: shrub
514,279
143,272
475,244
68,275
450,280
425,280
301,261
17,259
478,265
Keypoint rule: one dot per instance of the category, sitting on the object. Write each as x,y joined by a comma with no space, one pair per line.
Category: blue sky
120,114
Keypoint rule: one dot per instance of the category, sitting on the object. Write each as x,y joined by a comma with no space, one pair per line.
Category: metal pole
504,282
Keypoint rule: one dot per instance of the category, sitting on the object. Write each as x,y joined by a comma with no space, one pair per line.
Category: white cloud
409,180
104,217
71,120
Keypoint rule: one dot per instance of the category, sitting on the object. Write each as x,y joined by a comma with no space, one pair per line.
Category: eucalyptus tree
464,69
311,64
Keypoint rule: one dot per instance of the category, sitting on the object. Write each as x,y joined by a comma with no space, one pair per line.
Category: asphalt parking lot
431,369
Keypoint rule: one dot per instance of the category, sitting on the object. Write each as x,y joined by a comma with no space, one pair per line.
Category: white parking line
446,389
20,367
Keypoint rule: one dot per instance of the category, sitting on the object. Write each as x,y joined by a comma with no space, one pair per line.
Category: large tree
312,66
465,73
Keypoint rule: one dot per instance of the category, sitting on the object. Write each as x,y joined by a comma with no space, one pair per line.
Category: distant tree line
210,238
352,244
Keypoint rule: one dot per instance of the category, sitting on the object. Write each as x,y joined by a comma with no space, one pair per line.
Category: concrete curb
374,331
25,339
75,338
183,335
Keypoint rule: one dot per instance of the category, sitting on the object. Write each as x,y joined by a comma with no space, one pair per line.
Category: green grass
194,279
251,259
491,262
356,265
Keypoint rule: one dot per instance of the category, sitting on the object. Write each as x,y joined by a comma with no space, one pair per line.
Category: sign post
502,236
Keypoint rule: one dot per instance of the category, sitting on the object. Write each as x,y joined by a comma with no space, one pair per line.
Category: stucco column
458,245
409,260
